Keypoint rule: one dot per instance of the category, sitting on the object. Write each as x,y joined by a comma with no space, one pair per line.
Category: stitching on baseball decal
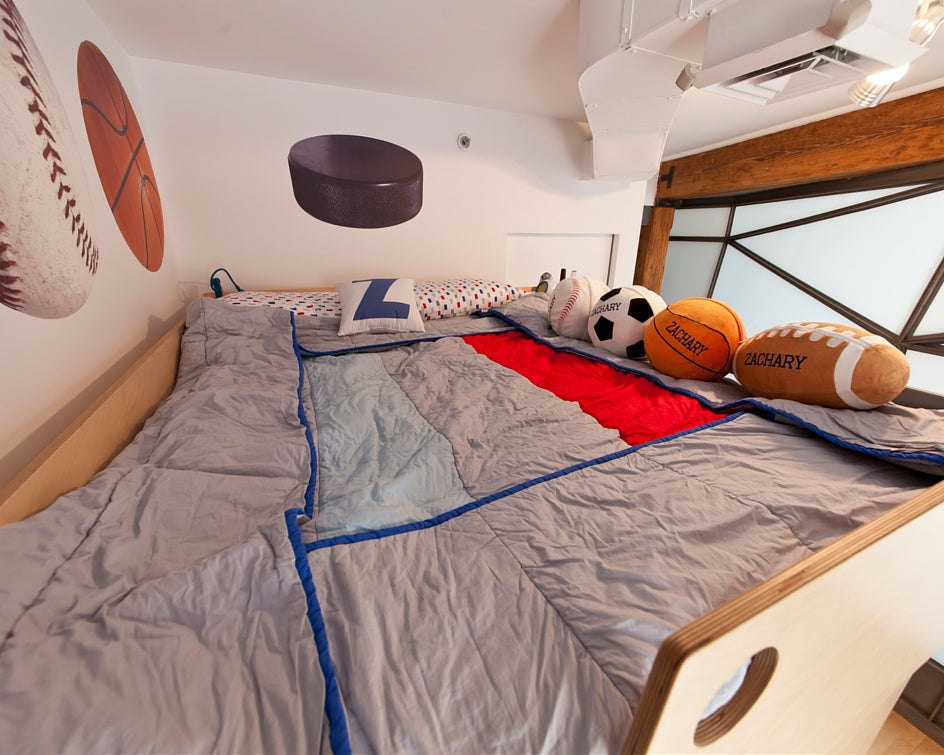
10,293
13,31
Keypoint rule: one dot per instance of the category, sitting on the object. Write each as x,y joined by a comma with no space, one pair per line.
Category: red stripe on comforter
636,407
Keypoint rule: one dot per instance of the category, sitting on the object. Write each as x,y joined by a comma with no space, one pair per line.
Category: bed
475,537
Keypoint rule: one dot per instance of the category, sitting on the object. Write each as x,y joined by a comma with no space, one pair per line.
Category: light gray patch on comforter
503,429
450,648
158,609
206,657
380,462
612,557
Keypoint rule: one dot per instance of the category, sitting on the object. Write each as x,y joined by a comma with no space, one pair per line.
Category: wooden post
653,243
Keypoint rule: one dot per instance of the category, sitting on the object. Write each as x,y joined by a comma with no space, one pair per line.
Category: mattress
473,538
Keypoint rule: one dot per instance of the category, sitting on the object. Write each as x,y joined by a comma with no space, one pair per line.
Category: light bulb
890,76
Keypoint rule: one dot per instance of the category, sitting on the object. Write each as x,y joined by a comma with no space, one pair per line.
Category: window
868,253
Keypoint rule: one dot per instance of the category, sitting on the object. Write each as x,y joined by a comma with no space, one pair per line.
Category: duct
638,57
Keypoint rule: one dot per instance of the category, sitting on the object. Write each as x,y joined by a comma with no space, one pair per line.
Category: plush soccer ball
569,308
618,320
694,339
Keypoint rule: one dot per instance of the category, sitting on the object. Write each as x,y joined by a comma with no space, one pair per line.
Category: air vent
801,75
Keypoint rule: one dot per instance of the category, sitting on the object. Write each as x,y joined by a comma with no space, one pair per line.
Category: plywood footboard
833,640
98,434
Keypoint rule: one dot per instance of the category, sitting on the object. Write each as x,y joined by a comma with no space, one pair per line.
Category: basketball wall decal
47,257
121,157
694,339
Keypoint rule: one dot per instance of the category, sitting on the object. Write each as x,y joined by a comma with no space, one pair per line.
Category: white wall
52,368
223,140
219,144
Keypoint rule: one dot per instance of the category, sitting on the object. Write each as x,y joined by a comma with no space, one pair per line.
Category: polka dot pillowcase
434,299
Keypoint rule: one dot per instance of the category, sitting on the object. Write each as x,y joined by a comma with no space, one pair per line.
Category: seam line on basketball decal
13,31
123,131
124,178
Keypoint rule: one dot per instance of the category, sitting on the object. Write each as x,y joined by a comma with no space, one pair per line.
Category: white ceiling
517,55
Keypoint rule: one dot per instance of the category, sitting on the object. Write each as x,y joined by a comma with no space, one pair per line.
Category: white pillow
379,305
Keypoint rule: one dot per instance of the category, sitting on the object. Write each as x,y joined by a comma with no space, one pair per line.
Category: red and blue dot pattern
435,299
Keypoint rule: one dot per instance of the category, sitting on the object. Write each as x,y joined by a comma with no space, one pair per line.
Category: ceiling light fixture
870,91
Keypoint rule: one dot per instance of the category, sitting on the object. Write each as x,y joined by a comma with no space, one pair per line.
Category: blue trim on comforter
334,709
472,505
746,404
303,418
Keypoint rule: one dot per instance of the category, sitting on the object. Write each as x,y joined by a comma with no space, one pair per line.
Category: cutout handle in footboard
831,643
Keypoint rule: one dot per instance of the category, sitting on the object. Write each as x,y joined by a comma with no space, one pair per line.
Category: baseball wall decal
121,157
47,257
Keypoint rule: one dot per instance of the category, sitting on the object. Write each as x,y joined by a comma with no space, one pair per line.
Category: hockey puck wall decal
48,259
121,157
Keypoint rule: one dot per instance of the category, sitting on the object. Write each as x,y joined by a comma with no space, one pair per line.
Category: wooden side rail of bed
106,427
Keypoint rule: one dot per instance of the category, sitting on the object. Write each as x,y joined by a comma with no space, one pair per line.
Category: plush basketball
694,339
121,157
818,363
570,305
619,318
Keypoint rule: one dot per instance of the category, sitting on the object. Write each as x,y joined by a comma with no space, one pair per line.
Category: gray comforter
393,544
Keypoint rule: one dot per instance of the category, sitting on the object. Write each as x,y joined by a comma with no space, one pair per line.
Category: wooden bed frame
834,639
98,434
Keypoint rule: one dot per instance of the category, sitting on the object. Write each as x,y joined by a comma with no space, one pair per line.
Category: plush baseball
47,256
694,339
570,305
817,363
121,157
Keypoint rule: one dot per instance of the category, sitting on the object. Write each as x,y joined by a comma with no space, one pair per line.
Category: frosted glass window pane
704,221
875,262
927,372
933,321
689,266
754,216
764,300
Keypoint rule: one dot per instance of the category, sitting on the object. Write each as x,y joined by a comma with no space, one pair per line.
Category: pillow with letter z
837,366
379,305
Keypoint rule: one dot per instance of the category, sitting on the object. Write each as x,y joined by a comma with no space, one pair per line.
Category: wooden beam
653,243
897,134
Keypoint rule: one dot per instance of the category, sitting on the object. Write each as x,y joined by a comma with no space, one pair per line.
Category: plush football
818,363
619,318
569,308
694,338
